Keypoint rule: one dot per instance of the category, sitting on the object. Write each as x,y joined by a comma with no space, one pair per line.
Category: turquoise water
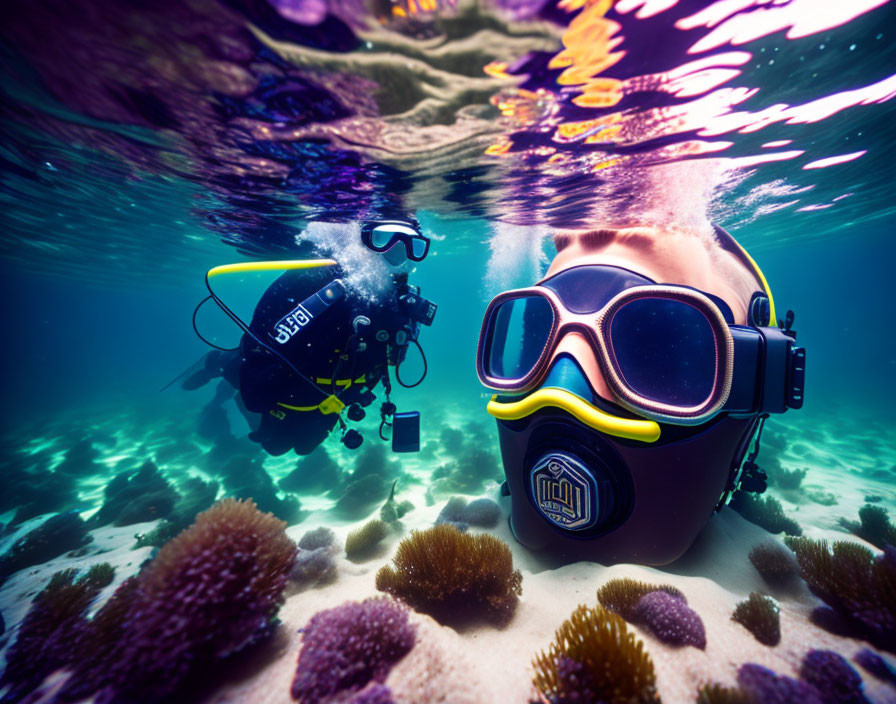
143,145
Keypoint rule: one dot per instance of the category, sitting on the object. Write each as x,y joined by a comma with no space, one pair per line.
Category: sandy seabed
485,664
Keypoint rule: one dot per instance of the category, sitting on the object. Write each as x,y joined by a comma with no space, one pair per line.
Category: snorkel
618,442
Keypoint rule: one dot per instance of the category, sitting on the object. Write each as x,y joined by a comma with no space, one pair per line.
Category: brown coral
595,658
622,595
360,543
717,694
454,577
760,615
859,588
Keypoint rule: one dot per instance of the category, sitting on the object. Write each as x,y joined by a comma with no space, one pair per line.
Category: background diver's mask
637,479
396,240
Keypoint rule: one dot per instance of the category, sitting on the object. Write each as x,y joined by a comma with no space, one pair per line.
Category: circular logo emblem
564,491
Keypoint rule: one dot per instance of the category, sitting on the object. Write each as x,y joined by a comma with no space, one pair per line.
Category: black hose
422,376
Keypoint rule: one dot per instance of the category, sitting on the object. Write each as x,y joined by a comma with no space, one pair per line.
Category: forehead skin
666,256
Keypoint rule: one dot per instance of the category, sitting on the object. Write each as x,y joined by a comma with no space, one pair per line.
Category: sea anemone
594,658
621,595
670,619
760,615
859,588
774,562
362,542
346,648
454,577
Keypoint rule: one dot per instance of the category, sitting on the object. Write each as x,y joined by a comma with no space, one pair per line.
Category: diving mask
382,236
668,353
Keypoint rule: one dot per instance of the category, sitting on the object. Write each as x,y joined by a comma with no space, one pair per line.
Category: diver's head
631,379
399,241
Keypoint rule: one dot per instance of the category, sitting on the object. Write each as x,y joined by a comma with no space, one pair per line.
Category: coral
594,658
55,536
361,543
346,648
210,593
860,589
391,511
454,577
774,562
317,472
313,567
873,498
760,615
876,665
835,679
762,685
99,576
322,537
670,619
766,513
717,694
874,526
50,634
144,495
197,496
622,595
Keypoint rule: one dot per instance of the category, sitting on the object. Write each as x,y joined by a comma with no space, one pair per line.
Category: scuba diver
630,383
317,347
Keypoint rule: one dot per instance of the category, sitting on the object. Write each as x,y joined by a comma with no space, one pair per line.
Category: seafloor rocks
316,473
481,513
52,538
144,495
79,460
245,478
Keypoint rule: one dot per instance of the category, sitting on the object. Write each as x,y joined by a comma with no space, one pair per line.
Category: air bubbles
852,47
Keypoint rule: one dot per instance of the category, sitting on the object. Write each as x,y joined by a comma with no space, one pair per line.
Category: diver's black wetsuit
338,351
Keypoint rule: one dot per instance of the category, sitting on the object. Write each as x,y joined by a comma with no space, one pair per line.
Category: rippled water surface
138,131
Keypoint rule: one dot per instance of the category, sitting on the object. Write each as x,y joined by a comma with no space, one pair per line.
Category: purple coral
346,648
670,619
374,693
834,678
763,685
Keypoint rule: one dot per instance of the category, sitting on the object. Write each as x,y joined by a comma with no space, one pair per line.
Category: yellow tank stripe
283,265
341,382
643,430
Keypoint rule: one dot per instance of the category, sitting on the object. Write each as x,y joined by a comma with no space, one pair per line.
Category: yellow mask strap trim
283,265
643,430
773,319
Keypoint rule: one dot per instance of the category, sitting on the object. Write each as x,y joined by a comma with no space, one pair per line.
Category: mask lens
381,237
418,248
519,331
665,350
